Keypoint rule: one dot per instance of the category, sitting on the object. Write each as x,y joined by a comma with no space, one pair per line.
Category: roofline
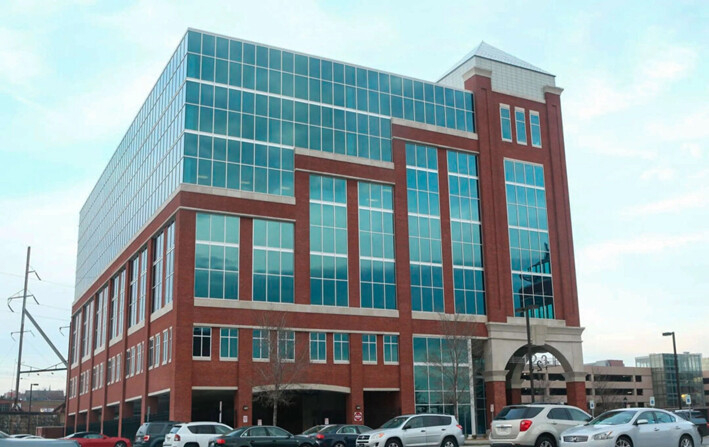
540,71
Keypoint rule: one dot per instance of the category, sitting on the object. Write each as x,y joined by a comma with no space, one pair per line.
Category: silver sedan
633,427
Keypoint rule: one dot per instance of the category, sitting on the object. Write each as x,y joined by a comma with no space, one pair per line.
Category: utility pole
22,332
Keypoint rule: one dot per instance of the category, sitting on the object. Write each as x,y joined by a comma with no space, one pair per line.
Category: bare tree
607,397
459,345
286,365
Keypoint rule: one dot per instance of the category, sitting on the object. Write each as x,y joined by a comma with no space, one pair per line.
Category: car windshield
396,422
175,428
613,418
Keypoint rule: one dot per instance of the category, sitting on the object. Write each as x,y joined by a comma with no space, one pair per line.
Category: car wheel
545,441
339,444
120,444
623,441
686,441
449,442
393,443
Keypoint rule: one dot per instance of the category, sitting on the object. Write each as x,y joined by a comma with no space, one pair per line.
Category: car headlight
378,436
602,436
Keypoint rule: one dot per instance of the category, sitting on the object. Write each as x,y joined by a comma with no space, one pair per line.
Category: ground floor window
434,379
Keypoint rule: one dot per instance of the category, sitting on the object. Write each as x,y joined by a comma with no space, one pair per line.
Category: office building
351,218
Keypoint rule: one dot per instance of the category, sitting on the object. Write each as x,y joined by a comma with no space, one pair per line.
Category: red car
93,439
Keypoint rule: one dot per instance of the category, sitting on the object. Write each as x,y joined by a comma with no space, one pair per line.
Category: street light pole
674,349
29,410
527,310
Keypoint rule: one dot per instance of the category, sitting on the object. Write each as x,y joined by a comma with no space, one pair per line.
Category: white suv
415,430
194,434
538,425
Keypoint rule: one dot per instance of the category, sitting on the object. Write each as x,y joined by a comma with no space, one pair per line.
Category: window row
281,72
269,344
125,297
160,349
318,136
520,125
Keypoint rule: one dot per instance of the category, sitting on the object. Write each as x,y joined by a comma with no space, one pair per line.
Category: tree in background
453,363
286,365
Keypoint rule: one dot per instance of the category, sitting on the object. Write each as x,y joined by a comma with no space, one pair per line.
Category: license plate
503,430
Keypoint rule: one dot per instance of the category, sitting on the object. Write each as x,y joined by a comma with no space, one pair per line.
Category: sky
635,106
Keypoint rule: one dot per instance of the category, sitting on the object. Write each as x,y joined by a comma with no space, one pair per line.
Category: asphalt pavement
485,443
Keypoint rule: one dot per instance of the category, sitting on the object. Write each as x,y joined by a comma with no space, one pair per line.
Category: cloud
660,173
690,127
695,200
694,150
20,62
610,144
604,92
607,255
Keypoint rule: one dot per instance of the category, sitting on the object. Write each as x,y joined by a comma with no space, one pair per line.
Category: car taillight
459,426
319,436
525,424
146,438
177,437
221,441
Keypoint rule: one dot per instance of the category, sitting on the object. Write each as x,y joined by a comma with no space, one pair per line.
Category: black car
261,436
152,434
313,430
696,418
339,435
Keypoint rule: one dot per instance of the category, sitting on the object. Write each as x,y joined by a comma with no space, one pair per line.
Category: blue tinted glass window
529,238
424,228
376,241
217,256
273,261
328,241
466,229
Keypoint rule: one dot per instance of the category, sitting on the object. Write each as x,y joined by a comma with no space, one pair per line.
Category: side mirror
588,419
641,422
406,427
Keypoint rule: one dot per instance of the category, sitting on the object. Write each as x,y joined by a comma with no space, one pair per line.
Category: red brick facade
181,374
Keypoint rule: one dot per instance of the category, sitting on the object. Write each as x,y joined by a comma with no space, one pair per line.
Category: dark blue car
339,435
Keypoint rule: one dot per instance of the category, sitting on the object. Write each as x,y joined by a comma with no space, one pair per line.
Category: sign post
688,400
592,406
358,417
652,401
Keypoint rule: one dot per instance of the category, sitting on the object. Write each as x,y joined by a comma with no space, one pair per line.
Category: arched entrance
506,359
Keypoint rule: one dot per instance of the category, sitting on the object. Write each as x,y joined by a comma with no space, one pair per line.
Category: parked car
152,434
93,439
339,435
261,436
15,442
697,418
20,435
3,435
194,434
415,430
538,425
639,427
